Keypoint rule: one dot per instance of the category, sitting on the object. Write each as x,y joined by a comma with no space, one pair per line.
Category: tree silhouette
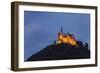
86,45
80,43
54,42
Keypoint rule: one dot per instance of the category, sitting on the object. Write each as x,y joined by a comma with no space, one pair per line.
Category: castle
66,38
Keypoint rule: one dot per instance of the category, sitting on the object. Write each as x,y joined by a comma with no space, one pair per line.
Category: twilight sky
41,29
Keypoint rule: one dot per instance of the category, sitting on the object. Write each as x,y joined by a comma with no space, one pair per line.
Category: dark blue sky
41,28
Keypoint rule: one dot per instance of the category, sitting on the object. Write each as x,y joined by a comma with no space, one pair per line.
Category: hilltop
60,52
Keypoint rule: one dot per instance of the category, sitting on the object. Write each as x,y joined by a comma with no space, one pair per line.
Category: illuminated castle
66,38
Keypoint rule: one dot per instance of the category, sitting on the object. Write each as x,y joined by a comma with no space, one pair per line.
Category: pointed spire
61,29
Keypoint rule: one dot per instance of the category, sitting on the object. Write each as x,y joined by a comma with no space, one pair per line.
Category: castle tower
61,29
60,36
